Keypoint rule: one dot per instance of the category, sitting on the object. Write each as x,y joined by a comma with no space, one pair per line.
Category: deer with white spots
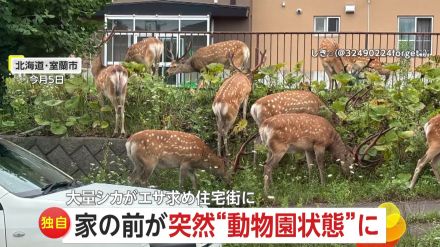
150,149
294,101
310,134
111,81
148,52
215,53
353,64
432,155
233,93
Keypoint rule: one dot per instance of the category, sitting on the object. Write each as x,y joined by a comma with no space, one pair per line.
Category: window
327,24
157,25
165,28
411,24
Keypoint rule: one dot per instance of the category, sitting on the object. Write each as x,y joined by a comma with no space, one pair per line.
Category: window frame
416,17
326,24
158,34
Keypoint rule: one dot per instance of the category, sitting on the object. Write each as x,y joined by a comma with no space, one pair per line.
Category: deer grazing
111,81
354,64
233,93
432,155
294,101
149,149
313,135
215,53
148,52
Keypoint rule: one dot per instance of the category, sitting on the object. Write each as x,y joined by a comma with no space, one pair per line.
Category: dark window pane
167,25
122,24
146,25
157,25
196,43
423,42
333,24
169,46
194,25
121,44
424,25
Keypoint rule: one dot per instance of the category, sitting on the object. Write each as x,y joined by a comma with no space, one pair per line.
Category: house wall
231,25
224,2
270,16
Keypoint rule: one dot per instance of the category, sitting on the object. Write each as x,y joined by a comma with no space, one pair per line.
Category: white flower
361,176
352,172
271,197
330,175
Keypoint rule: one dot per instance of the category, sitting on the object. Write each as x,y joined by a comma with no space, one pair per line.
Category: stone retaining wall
74,155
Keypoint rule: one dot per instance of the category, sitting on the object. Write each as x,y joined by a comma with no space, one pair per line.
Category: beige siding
269,15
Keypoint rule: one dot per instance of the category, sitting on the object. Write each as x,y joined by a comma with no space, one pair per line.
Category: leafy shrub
405,104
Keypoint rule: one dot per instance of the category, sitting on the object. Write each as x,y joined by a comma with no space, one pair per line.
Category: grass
424,218
292,187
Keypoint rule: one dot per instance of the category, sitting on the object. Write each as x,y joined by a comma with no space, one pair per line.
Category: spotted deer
215,53
151,149
294,101
312,134
432,155
148,52
233,93
111,82
354,64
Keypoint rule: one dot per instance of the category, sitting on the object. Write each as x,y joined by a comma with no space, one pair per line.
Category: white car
29,185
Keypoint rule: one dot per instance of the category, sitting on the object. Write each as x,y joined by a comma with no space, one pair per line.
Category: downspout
368,23
368,15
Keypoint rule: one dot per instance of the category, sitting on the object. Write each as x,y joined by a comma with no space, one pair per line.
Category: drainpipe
368,23
368,15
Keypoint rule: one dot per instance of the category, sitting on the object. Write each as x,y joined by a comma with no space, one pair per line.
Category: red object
54,222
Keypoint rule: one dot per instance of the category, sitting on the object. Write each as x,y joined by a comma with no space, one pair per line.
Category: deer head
180,64
97,64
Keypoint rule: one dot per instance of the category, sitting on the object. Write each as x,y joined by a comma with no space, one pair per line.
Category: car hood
109,189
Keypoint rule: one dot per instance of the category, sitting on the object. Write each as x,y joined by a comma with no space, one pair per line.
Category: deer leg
183,173
137,172
245,103
148,165
101,103
420,164
429,155
319,155
157,65
192,177
271,163
122,122
117,116
219,143
435,167
219,135
225,140
309,157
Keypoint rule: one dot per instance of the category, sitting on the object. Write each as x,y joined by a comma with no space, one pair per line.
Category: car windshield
24,174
